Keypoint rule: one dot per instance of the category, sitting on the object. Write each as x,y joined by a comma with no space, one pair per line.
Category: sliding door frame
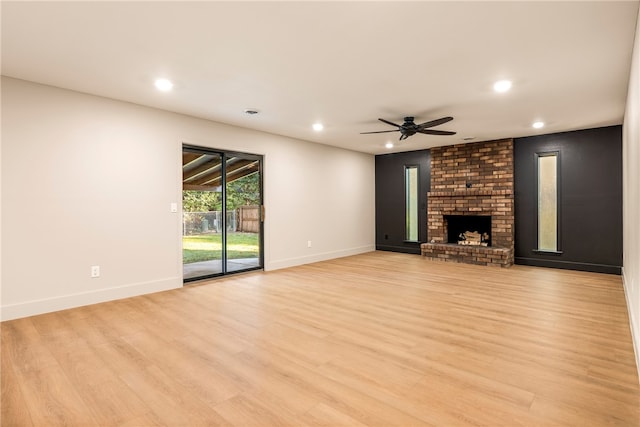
224,155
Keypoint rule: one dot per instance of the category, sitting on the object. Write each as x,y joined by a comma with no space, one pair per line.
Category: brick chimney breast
472,179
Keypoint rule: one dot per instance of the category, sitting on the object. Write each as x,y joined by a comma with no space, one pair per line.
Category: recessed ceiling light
164,85
317,127
251,111
389,145
502,86
468,138
538,125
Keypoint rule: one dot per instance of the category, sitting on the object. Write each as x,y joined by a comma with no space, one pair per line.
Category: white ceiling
342,63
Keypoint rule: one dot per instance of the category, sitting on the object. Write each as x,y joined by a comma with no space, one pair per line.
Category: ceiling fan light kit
409,128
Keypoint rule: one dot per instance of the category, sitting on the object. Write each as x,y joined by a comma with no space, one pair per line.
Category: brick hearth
472,179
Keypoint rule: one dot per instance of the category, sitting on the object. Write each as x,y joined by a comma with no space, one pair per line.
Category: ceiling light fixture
251,111
468,138
502,86
389,145
318,127
164,85
538,125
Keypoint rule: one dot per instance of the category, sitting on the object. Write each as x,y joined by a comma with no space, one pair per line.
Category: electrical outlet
95,271
308,243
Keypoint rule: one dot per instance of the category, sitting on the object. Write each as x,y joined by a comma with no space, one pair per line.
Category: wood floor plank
198,377
97,383
247,411
323,415
171,403
379,339
14,410
53,400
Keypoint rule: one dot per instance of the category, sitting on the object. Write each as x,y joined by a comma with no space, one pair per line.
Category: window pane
548,203
243,213
411,200
202,214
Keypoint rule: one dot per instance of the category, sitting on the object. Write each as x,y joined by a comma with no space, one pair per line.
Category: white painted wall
89,181
631,196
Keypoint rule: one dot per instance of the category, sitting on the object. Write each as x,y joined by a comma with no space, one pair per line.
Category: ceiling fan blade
381,131
390,123
433,123
435,132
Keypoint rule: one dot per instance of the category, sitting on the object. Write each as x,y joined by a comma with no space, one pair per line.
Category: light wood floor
380,339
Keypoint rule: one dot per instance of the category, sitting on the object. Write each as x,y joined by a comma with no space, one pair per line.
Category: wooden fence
248,219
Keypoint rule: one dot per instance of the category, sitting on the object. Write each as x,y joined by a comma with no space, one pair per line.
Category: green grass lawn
206,247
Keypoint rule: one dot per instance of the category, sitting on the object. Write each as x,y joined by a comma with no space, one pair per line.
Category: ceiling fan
409,128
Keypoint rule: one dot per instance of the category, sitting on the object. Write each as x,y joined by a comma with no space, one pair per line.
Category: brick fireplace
473,179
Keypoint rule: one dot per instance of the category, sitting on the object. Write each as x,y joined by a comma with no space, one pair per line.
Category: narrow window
548,202
411,203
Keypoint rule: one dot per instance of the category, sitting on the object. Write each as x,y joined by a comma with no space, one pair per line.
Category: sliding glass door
222,212
243,201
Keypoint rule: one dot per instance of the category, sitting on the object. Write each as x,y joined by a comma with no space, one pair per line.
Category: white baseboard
48,305
292,262
635,333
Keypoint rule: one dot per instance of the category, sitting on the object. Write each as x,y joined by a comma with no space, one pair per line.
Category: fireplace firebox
468,229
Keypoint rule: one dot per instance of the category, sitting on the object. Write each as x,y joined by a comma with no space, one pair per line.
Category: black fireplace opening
462,229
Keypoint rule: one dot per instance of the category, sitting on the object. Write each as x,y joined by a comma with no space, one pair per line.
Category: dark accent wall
390,200
590,199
